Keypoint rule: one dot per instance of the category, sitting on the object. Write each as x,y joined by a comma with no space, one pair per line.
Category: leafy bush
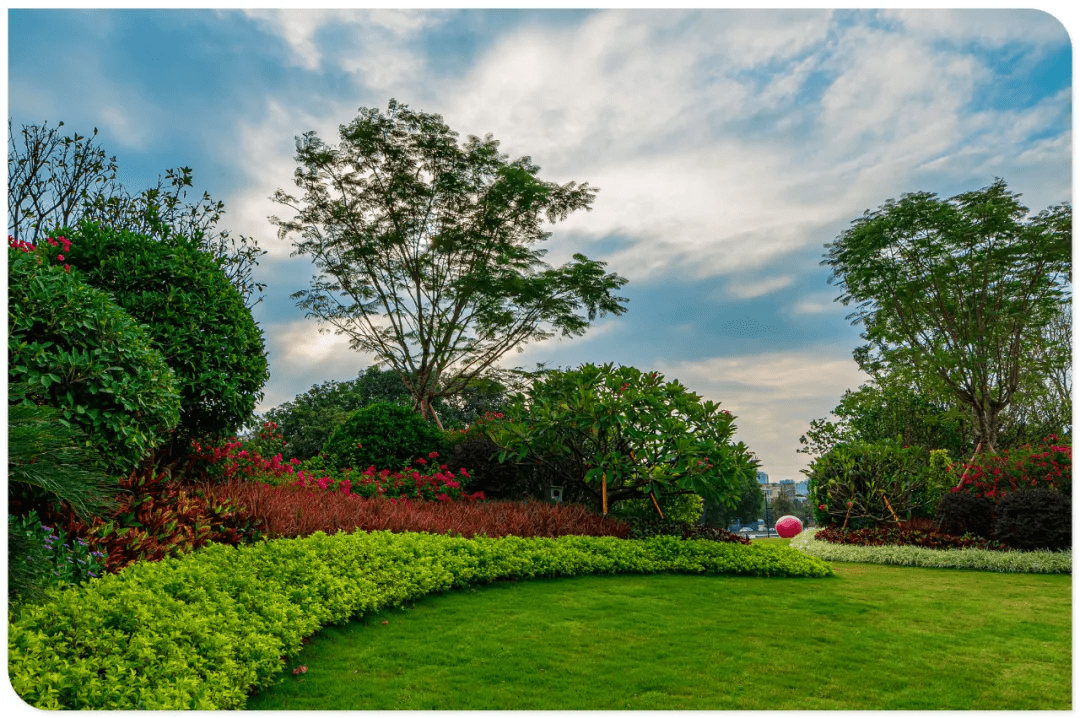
194,317
969,558
53,562
382,435
500,480
1033,519
204,630
71,347
962,513
1048,465
158,518
289,512
628,428
866,474
677,508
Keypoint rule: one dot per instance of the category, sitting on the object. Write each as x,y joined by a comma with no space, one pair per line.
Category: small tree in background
748,507
626,430
424,249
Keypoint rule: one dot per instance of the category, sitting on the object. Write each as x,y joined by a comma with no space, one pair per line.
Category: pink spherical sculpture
788,526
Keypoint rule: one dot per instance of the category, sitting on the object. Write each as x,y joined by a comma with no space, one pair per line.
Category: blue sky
728,145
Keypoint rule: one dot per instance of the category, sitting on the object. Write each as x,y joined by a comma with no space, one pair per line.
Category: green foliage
57,181
939,479
751,503
52,561
959,291
476,452
677,508
866,474
44,453
194,317
382,435
639,433
460,290
307,422
71,347
972,559
201,631
1034,519
886,408
963,513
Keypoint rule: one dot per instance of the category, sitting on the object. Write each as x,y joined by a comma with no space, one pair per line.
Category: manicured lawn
873,637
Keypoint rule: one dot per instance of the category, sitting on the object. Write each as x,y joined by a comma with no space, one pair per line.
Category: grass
871,638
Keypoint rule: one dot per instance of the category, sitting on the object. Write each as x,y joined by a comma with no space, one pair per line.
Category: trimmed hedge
203,630
970,558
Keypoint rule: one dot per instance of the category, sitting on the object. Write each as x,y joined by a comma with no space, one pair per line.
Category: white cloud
991,27
759,287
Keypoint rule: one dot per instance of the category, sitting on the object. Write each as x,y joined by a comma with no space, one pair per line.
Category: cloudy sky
729,147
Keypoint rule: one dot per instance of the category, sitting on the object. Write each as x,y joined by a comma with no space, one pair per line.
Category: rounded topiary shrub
1034,519
383,435
193,315
72,348
960,513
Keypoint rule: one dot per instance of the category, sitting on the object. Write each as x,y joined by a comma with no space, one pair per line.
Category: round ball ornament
788,526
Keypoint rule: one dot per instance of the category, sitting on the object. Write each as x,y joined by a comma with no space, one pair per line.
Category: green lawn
873,637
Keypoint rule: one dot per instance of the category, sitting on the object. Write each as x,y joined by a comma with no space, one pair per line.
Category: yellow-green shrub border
201,631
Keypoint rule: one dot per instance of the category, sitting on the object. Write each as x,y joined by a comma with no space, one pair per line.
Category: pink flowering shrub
43,250
993,476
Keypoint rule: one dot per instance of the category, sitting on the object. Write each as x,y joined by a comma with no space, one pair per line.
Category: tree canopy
425,249
960,291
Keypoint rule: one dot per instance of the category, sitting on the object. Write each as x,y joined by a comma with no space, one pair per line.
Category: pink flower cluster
439,485
996,475
24,246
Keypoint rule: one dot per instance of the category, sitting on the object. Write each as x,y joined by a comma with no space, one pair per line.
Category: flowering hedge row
202,631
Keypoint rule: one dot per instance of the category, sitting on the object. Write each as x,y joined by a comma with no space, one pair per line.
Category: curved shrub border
971,558
201,631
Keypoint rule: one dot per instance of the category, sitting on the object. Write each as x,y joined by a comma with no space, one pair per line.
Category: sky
729,147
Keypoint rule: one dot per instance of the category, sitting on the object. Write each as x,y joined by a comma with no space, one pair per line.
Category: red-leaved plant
292,511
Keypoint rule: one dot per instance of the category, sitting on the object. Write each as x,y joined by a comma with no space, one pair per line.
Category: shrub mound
893,535
1035,519
204,630
963,513
969,558
383,435
288,512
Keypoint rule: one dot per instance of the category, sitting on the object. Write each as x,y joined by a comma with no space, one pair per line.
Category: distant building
762,477
802,487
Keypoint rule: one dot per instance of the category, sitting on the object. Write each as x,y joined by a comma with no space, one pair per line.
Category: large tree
425,249
960,290
57,180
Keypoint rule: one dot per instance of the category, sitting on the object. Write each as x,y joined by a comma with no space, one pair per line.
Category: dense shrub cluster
204,630
864,483
963,513
193,316
288,511
1035,519
382,434
71,347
